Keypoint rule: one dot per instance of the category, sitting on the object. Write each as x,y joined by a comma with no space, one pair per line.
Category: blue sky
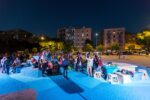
46,16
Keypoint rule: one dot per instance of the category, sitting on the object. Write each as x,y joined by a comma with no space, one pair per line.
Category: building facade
17,34
81,35
114,36
78,36
66,34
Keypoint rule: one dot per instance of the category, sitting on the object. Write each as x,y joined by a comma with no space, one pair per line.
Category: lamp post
96,35
42,38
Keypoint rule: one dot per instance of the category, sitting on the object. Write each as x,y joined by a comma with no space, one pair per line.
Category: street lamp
96,35
42,38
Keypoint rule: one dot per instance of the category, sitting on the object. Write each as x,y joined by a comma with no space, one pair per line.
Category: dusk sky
46,16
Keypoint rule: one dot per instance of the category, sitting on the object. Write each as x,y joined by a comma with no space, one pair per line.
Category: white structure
144,74
113,79
121,77
118,77
124,78
97,75
126,66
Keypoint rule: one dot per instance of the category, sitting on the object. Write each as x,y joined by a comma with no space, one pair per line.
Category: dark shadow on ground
67,85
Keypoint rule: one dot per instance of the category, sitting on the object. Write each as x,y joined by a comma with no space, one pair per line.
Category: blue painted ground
78,87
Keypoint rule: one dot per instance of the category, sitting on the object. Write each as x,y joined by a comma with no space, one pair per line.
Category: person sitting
60,60
34,62
49,68
15,64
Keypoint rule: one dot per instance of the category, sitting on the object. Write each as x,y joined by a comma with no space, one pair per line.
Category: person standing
3,64
79,64
60,61
7,64
95,63
0,60
75,63
65,65
89,64
44,66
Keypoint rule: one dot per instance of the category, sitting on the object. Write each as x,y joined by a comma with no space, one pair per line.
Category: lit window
82,35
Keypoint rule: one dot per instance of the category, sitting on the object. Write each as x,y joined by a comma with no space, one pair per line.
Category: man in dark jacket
65,65
7,63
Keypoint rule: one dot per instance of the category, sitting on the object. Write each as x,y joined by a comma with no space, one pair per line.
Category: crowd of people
11,61
49,62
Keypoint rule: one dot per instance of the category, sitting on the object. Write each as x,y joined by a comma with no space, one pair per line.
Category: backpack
65,63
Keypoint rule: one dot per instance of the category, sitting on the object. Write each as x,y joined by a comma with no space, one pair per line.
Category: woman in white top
3,64
89,64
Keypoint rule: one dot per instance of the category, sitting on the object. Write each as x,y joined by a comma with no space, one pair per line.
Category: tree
131,47
53,48
88,41
115,47
34,50
89,48
67,46
74,49
26,51
100,48
144,39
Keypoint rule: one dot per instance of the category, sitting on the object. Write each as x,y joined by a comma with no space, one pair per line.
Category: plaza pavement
140,60
78,87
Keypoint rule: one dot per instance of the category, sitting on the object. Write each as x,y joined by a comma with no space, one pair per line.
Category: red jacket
100,63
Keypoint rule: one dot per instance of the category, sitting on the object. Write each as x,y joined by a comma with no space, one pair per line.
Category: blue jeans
14,69
65,73
4,68
78,67
7,69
